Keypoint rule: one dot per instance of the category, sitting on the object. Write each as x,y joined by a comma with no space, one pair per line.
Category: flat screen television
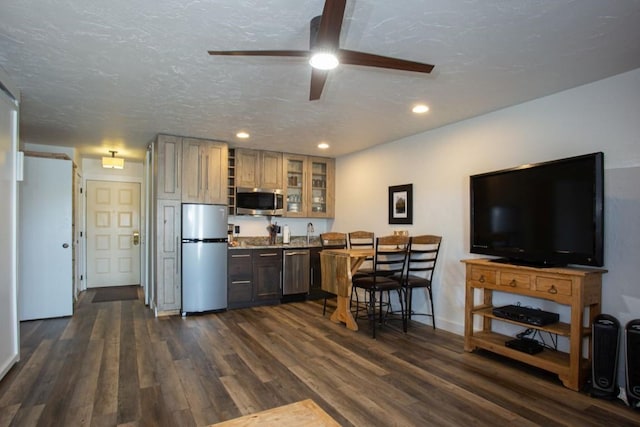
545,214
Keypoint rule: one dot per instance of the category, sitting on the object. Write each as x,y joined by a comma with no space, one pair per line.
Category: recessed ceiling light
420,108
242,134
323,146
324,60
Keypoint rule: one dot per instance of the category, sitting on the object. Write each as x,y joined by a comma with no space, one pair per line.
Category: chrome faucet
309,231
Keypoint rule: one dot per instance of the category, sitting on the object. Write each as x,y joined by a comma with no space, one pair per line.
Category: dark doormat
116,293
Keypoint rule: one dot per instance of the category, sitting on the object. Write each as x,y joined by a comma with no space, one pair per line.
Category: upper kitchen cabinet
168,166
321,197
204,171
258,169
309,186
295,187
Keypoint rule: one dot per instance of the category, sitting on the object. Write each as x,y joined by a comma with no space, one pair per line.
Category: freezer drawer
204,277
295,272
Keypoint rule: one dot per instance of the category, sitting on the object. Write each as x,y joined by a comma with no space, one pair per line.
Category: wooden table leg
343,314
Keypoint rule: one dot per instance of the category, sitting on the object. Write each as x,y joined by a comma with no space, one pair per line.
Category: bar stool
423,254
389,264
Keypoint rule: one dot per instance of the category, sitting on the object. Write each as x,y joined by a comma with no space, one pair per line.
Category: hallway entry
113,233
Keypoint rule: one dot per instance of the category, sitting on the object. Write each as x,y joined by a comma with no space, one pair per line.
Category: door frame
93,171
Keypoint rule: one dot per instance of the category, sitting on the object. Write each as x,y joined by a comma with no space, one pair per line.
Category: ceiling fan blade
300,53
353,57
331,24
318,77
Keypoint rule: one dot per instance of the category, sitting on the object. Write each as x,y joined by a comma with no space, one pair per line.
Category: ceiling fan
324,44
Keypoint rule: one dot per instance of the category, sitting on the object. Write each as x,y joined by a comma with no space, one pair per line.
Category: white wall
69,151
9,328
602,116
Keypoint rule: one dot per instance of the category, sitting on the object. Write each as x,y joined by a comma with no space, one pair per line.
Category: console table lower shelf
553,361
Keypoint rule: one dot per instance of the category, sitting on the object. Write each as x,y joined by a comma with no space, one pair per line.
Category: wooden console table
578,288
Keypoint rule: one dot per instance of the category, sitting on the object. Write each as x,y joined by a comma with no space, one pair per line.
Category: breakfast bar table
337,267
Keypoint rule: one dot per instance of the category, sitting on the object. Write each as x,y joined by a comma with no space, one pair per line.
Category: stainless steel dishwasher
296,273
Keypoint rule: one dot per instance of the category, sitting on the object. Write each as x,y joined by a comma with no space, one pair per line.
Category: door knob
65,245
136,238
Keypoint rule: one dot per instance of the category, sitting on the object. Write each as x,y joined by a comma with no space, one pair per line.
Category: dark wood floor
113,363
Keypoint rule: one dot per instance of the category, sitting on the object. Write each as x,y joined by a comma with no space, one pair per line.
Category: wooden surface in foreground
300,414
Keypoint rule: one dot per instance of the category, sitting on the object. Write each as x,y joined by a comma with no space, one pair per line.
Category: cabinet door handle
177,254
240,282
513,283
206,173
241,256
553,290
273,254
481,279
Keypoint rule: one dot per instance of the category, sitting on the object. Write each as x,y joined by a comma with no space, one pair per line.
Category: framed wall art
401,204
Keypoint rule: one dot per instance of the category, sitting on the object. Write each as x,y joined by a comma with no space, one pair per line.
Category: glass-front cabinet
309,186
295,189
319,178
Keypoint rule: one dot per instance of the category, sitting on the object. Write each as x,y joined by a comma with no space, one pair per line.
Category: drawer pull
513,283
481,279
240,282
553,290
269,254
241,256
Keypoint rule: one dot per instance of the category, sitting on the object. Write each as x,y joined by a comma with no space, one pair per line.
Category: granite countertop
263,243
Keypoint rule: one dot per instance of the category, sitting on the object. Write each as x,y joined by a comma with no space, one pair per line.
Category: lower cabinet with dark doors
255,277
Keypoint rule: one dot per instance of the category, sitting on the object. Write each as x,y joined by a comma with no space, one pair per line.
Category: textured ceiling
110,75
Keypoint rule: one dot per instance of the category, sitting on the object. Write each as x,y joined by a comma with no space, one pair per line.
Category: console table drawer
515,280
482,277
553,286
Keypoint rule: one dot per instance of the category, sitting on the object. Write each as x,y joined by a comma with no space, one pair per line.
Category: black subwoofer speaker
605,349
632,334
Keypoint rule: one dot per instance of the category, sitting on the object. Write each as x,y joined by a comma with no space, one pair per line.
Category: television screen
545,214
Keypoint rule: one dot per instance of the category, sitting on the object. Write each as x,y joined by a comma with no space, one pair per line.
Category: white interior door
46,275
113,233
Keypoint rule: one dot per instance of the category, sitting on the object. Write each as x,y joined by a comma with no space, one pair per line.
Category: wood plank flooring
114,364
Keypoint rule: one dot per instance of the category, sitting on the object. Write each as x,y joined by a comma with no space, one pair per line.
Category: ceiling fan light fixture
324,60
113,162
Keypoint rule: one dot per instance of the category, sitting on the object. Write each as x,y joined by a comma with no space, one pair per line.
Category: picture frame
401,204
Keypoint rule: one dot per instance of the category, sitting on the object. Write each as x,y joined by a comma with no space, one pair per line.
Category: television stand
578,288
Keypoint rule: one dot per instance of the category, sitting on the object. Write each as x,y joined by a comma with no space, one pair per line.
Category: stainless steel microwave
259,202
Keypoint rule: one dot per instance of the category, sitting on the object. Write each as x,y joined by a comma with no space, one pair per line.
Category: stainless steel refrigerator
204,258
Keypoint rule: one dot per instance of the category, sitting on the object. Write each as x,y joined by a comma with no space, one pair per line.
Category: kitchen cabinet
295,187
267,274
240,282
167,262
255,277
309,186
578,288
168,167
188,170
204,171
258,169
